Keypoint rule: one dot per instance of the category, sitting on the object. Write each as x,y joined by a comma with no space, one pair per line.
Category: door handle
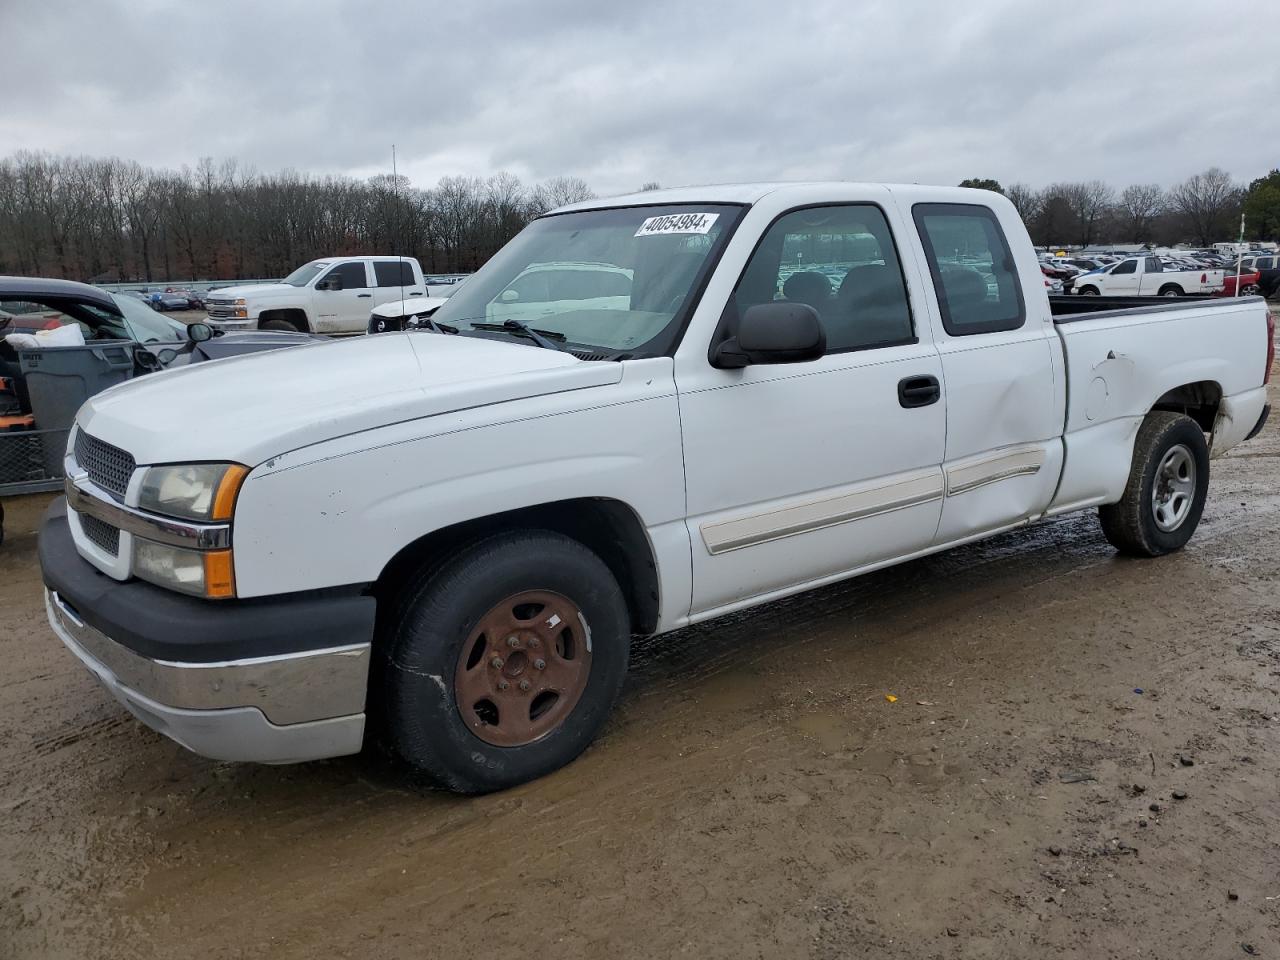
364,294
918,391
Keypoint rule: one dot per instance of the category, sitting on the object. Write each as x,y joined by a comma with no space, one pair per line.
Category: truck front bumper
219,677
228,323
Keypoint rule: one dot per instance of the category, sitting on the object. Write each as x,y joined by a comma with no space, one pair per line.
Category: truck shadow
856,613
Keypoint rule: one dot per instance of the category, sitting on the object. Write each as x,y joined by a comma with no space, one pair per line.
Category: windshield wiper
431,324
540,337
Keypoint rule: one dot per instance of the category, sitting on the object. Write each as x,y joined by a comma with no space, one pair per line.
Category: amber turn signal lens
219,577
224,501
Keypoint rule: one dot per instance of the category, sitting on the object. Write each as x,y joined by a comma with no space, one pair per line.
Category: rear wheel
1171,290
1167,486
503,663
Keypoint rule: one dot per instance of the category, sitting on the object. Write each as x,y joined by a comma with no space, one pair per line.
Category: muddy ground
756,794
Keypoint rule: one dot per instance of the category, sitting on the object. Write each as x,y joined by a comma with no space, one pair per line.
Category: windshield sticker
677,223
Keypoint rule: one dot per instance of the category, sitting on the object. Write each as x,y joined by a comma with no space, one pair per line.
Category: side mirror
777,332
331,282
509,296
199,332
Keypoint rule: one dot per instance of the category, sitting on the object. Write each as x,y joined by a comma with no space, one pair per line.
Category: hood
249,409
407,308
254,290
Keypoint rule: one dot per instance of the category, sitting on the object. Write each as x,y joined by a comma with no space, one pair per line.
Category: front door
803,472
1125,279
347,309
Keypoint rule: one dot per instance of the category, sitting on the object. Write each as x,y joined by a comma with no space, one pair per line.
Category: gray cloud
677,92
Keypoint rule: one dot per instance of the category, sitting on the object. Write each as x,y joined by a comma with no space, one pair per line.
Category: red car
1248,284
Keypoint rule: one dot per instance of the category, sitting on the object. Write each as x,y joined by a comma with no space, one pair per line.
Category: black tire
423,642
1132,525
1089,291
277,324
1171,290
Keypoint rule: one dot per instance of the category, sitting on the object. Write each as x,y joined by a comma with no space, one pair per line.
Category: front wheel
284,326
503,664
1089,291
1165,494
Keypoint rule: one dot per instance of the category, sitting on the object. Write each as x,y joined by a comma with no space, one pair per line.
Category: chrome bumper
232,323
280,709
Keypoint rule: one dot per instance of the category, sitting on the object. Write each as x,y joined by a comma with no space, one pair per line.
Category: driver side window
352,275
841,261
1129,266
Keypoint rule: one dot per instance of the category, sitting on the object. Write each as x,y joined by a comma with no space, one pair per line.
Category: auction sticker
677,223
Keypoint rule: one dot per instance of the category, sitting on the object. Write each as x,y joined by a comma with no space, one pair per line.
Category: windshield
305,273
613,280
147,326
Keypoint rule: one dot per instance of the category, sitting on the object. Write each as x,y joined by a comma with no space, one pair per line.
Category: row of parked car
168,299
1159,274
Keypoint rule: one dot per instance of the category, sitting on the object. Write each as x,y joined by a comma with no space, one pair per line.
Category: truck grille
109,467
101,534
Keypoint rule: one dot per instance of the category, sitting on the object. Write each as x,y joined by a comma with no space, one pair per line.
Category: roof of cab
744,193
38,288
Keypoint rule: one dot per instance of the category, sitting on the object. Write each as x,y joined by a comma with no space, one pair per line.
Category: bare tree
1209,203
1026,200
560,191
1137,209
1090,203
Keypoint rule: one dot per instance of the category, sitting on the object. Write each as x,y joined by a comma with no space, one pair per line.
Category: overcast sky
681,92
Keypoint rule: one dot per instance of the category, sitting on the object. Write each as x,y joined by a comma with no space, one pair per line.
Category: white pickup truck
334,295
455,532
1148,277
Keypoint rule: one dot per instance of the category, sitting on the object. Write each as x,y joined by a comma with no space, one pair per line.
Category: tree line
110,220
1201,210
106,219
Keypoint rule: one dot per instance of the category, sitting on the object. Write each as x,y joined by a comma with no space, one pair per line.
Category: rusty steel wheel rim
523,668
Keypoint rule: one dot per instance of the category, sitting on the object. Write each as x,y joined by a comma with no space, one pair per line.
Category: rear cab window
972,268
389,273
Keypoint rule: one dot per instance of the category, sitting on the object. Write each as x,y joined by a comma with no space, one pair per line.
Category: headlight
240,302
196,491
199,573
240,313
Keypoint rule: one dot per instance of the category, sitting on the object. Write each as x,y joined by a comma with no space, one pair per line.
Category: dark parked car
168,300
1268,268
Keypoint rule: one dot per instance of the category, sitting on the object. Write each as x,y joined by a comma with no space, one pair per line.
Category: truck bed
1067,308
1134,353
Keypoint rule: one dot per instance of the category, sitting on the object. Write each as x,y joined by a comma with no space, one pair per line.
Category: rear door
345,310
1151,276
1001,367
394,281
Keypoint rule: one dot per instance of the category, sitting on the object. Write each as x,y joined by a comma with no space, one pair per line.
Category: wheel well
607,527
1199,401
292,315
1170,286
